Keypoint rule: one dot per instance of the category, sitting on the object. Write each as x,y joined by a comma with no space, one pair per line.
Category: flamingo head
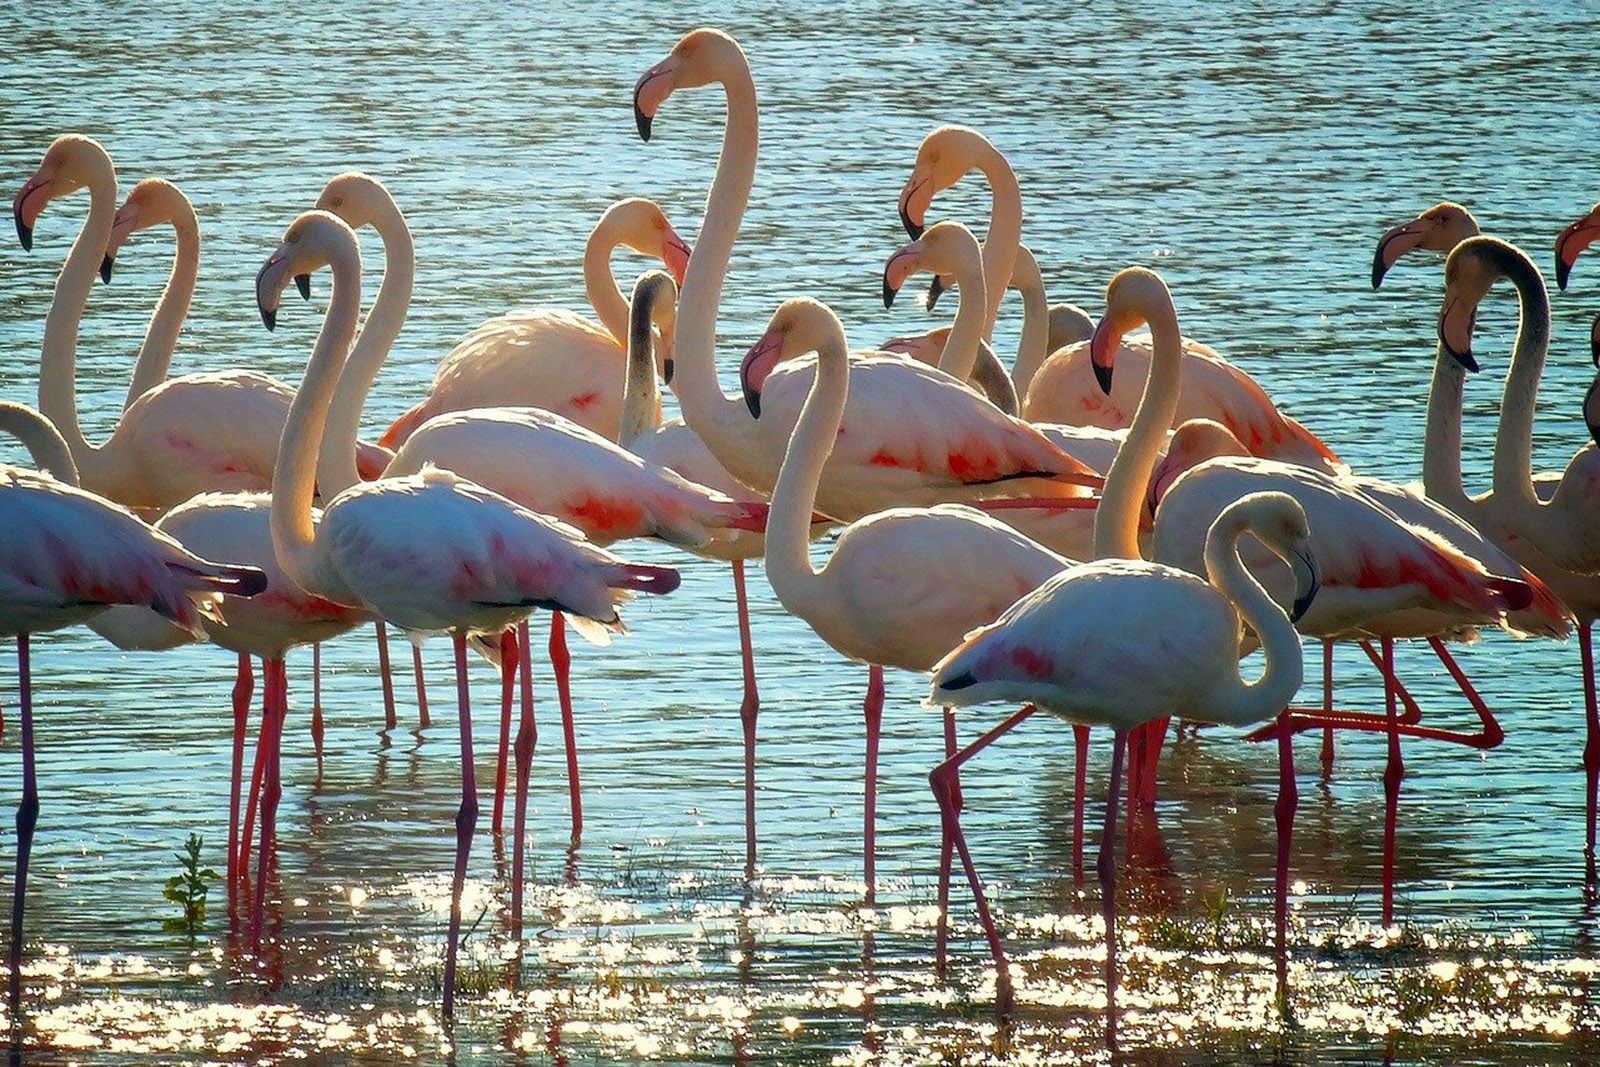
1438,229
944,247
360,200
944,156
1134,293
799,325
150,203
1572,241
1279,522
701,57
654,312
642,226
1472,269
311,242
1190,445
70,163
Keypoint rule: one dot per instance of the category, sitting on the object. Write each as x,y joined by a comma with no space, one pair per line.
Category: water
1253,158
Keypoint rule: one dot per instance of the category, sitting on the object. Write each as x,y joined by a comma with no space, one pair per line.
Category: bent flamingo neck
154,362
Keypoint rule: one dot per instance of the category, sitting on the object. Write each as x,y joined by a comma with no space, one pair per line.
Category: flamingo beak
653,86
1394,244
1571,243
914,201
1455,331
668,365
936,289
122,226
269,287
898,269
1307,580
757,364
1103,352
302,282
24,212
675,253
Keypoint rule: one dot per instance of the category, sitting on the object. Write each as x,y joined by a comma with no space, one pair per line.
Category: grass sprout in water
188,889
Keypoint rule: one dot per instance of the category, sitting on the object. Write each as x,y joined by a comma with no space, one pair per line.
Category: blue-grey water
1252,155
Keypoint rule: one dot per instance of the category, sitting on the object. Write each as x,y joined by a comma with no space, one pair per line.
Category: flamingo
1531,519
195,433
429,552
1120,641
900,587
65,555
1438,229
552,358
912,435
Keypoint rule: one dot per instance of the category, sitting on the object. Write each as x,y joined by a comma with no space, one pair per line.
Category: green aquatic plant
188,889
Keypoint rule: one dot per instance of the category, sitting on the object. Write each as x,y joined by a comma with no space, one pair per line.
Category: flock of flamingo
1101,532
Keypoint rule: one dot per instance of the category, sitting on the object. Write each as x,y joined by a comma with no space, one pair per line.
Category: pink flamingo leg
466,820
526,738
1288,801
873,708
508,683
1394,771
946,846
1080,744
316,699
747,717
1107,869
274,685
423,721
561,660
389,718
243,690
1327,705
27,820
257,769
1591,745
944,782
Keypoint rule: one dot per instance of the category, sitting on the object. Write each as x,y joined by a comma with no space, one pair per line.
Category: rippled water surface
1251,156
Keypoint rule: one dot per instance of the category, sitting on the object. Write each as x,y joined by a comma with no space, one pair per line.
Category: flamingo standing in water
1120,641
430,552
548,357
65,555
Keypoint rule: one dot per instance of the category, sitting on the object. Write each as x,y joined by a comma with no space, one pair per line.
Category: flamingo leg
243,690
748,710
1394,771
1080,774
1591,745
561,661
508,684
946,846
526,738
1107,869
275,688
389,718
423,721
873,709
316,699
943,780
257,769
466,820
1327,705
27,820
1288,801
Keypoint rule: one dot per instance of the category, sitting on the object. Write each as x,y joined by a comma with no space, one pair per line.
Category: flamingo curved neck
1033,346
1005,230
794,496
1513,446
161,336
41,440
1441,443
1232,699
294,477
1116,521
58,360
641,395
336,463
960,354
600,284
719,420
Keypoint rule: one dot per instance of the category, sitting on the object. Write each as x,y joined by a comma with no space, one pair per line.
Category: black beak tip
269,318
642,121
915,229
964,680
935,291
1301,606
1103,376
105,268
667,367
1563,272
1466,359
24,233
302,282
1379,269
752,400
888,294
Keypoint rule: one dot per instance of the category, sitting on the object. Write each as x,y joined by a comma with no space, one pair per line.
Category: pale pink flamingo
1438,229
1120,641
191,434
552,358
911,435
430,552
65,555
901,586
